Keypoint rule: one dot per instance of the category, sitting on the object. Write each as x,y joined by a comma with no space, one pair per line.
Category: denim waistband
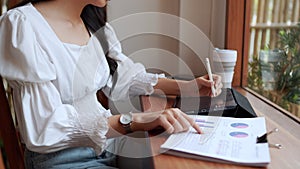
75,158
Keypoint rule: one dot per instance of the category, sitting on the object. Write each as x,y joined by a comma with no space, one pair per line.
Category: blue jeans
73,158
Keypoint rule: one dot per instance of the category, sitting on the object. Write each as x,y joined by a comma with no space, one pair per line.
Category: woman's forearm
168,86
198,86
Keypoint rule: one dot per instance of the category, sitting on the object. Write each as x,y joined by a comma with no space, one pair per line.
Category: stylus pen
213,90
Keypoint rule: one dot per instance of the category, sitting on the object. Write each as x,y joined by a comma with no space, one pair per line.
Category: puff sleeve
21,57
130,78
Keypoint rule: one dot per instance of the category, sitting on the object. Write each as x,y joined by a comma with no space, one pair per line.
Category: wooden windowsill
280,109
263,107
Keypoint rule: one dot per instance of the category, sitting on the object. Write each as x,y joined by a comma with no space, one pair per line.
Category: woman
56,54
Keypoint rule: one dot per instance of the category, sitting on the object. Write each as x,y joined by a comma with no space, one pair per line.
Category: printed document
224,139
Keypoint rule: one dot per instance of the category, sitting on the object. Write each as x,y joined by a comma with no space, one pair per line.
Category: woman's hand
202,86
172,120
198,86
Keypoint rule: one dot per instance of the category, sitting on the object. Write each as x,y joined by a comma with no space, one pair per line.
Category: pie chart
238,134
239,125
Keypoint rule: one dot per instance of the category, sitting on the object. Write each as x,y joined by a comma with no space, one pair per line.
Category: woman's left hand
202,86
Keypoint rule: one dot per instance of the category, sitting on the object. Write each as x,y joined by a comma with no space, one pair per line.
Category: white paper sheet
224,139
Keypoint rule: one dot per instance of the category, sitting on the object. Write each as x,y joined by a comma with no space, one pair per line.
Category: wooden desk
288,136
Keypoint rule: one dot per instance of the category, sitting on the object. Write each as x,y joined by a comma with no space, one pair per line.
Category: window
267,37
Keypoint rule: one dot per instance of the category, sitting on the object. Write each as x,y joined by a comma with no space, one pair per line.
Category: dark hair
94,19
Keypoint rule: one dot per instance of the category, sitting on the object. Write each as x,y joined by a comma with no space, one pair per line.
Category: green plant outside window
286,90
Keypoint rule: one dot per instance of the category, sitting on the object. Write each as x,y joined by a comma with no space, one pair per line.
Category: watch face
126,118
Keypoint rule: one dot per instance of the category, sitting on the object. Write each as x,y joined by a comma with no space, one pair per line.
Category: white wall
208,17
157,39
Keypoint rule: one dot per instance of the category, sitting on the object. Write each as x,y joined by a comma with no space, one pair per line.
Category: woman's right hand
173,120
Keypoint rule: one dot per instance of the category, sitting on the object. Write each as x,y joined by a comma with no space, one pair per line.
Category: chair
12,145
14,150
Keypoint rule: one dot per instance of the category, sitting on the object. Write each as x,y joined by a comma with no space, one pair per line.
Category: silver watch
126,121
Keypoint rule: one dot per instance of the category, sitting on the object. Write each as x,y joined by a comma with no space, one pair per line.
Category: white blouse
55,83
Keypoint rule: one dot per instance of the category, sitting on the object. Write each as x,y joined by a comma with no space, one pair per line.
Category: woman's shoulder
21,57
16,12
18,15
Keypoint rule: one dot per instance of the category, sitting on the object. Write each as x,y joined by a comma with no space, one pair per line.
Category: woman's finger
166,124
192,123
217,78
175,121
174,118
204,81
187,121
181,124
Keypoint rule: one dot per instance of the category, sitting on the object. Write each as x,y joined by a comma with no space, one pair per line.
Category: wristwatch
126,121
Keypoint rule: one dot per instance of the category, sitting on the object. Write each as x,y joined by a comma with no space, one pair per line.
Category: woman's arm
198,86
172,120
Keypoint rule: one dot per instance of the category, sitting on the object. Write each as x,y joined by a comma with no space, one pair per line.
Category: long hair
94,19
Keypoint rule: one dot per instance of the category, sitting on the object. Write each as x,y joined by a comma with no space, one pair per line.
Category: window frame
237,36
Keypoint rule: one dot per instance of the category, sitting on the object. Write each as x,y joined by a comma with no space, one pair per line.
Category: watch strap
127,128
